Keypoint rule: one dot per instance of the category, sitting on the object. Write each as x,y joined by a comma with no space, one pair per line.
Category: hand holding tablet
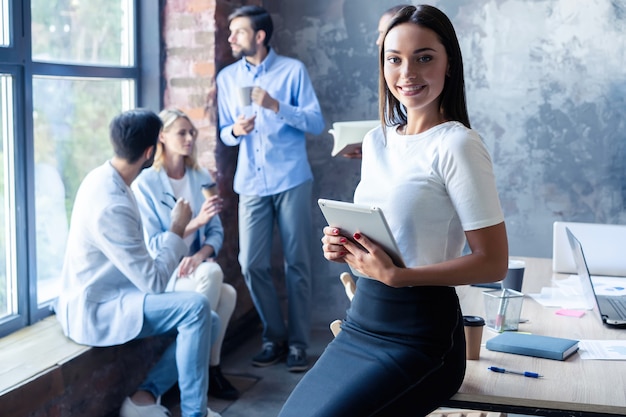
369,221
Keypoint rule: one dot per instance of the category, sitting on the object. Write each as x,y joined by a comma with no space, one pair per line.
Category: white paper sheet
614,350
566,293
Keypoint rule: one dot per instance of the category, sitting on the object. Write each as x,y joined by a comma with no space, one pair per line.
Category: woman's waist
377,291
377,307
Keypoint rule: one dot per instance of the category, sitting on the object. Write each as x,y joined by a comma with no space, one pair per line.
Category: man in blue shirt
273,177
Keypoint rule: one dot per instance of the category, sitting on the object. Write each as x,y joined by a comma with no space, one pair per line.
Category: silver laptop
612,309
604,248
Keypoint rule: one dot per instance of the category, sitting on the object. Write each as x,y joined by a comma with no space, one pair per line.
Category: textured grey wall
546,87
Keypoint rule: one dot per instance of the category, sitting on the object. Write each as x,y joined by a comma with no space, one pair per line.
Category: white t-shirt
431,187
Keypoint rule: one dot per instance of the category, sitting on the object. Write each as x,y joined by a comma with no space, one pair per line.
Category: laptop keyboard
619,304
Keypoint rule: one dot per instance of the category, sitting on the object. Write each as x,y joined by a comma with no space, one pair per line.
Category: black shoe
270,354
219,386
296,360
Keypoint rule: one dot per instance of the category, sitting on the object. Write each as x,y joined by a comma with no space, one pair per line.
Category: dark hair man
113,290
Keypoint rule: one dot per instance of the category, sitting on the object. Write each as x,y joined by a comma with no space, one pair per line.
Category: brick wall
195,36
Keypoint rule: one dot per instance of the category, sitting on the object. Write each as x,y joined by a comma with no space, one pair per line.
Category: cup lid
473,321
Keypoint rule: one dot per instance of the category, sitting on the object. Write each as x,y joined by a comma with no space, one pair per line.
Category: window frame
16,59
18,320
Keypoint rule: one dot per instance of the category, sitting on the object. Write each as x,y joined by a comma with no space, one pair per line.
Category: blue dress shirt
273,157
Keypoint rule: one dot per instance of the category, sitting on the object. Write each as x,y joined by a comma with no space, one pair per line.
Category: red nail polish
343,240
357,236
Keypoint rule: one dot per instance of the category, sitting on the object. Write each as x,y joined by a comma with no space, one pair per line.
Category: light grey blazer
154,195
108,270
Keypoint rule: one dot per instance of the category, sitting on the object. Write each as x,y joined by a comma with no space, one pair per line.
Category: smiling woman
415,66
452,99
401,350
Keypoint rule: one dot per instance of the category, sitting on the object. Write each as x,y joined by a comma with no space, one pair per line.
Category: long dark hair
452,101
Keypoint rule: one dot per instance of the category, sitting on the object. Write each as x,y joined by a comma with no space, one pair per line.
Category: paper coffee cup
473,326
245,96
209,190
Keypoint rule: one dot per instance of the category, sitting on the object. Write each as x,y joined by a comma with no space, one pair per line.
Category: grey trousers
291,212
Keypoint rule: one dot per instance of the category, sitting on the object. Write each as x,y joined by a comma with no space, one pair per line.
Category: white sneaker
211,413
130,409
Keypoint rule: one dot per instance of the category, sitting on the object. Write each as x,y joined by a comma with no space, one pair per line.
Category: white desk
568,388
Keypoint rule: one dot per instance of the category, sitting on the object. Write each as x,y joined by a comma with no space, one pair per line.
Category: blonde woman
176,175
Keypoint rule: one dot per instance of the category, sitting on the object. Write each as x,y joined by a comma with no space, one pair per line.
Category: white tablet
370,221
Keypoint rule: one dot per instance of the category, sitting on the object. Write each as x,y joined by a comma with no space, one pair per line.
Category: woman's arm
210,208
487,262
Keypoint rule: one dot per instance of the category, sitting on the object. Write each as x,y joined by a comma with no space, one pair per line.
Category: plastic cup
503,309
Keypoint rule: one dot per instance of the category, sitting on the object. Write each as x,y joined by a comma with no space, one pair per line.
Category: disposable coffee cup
245,96
515,275
209,190
473,326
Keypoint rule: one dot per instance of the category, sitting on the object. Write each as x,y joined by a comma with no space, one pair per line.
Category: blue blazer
151,189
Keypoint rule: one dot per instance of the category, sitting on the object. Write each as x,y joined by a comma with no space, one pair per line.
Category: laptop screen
583,271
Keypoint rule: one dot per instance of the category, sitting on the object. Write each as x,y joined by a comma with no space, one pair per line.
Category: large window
70,136
94,32
72,65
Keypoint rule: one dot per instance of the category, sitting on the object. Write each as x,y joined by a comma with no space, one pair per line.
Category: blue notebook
533,345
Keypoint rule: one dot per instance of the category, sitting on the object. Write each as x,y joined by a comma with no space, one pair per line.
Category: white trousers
208,279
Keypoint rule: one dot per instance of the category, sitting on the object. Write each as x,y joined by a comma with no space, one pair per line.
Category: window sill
42,372
33,351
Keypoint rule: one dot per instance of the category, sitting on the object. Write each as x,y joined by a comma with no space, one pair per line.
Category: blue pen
506,371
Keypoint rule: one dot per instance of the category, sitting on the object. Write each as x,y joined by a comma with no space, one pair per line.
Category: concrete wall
546,89
545,86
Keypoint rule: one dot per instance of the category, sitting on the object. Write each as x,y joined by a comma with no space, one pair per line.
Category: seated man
113,290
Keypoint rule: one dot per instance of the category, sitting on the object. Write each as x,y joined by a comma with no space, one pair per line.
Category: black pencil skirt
401,352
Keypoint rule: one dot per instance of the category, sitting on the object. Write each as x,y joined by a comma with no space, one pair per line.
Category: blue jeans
291,211
187,359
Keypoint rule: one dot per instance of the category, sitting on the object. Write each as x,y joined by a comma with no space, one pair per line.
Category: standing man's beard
244,52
